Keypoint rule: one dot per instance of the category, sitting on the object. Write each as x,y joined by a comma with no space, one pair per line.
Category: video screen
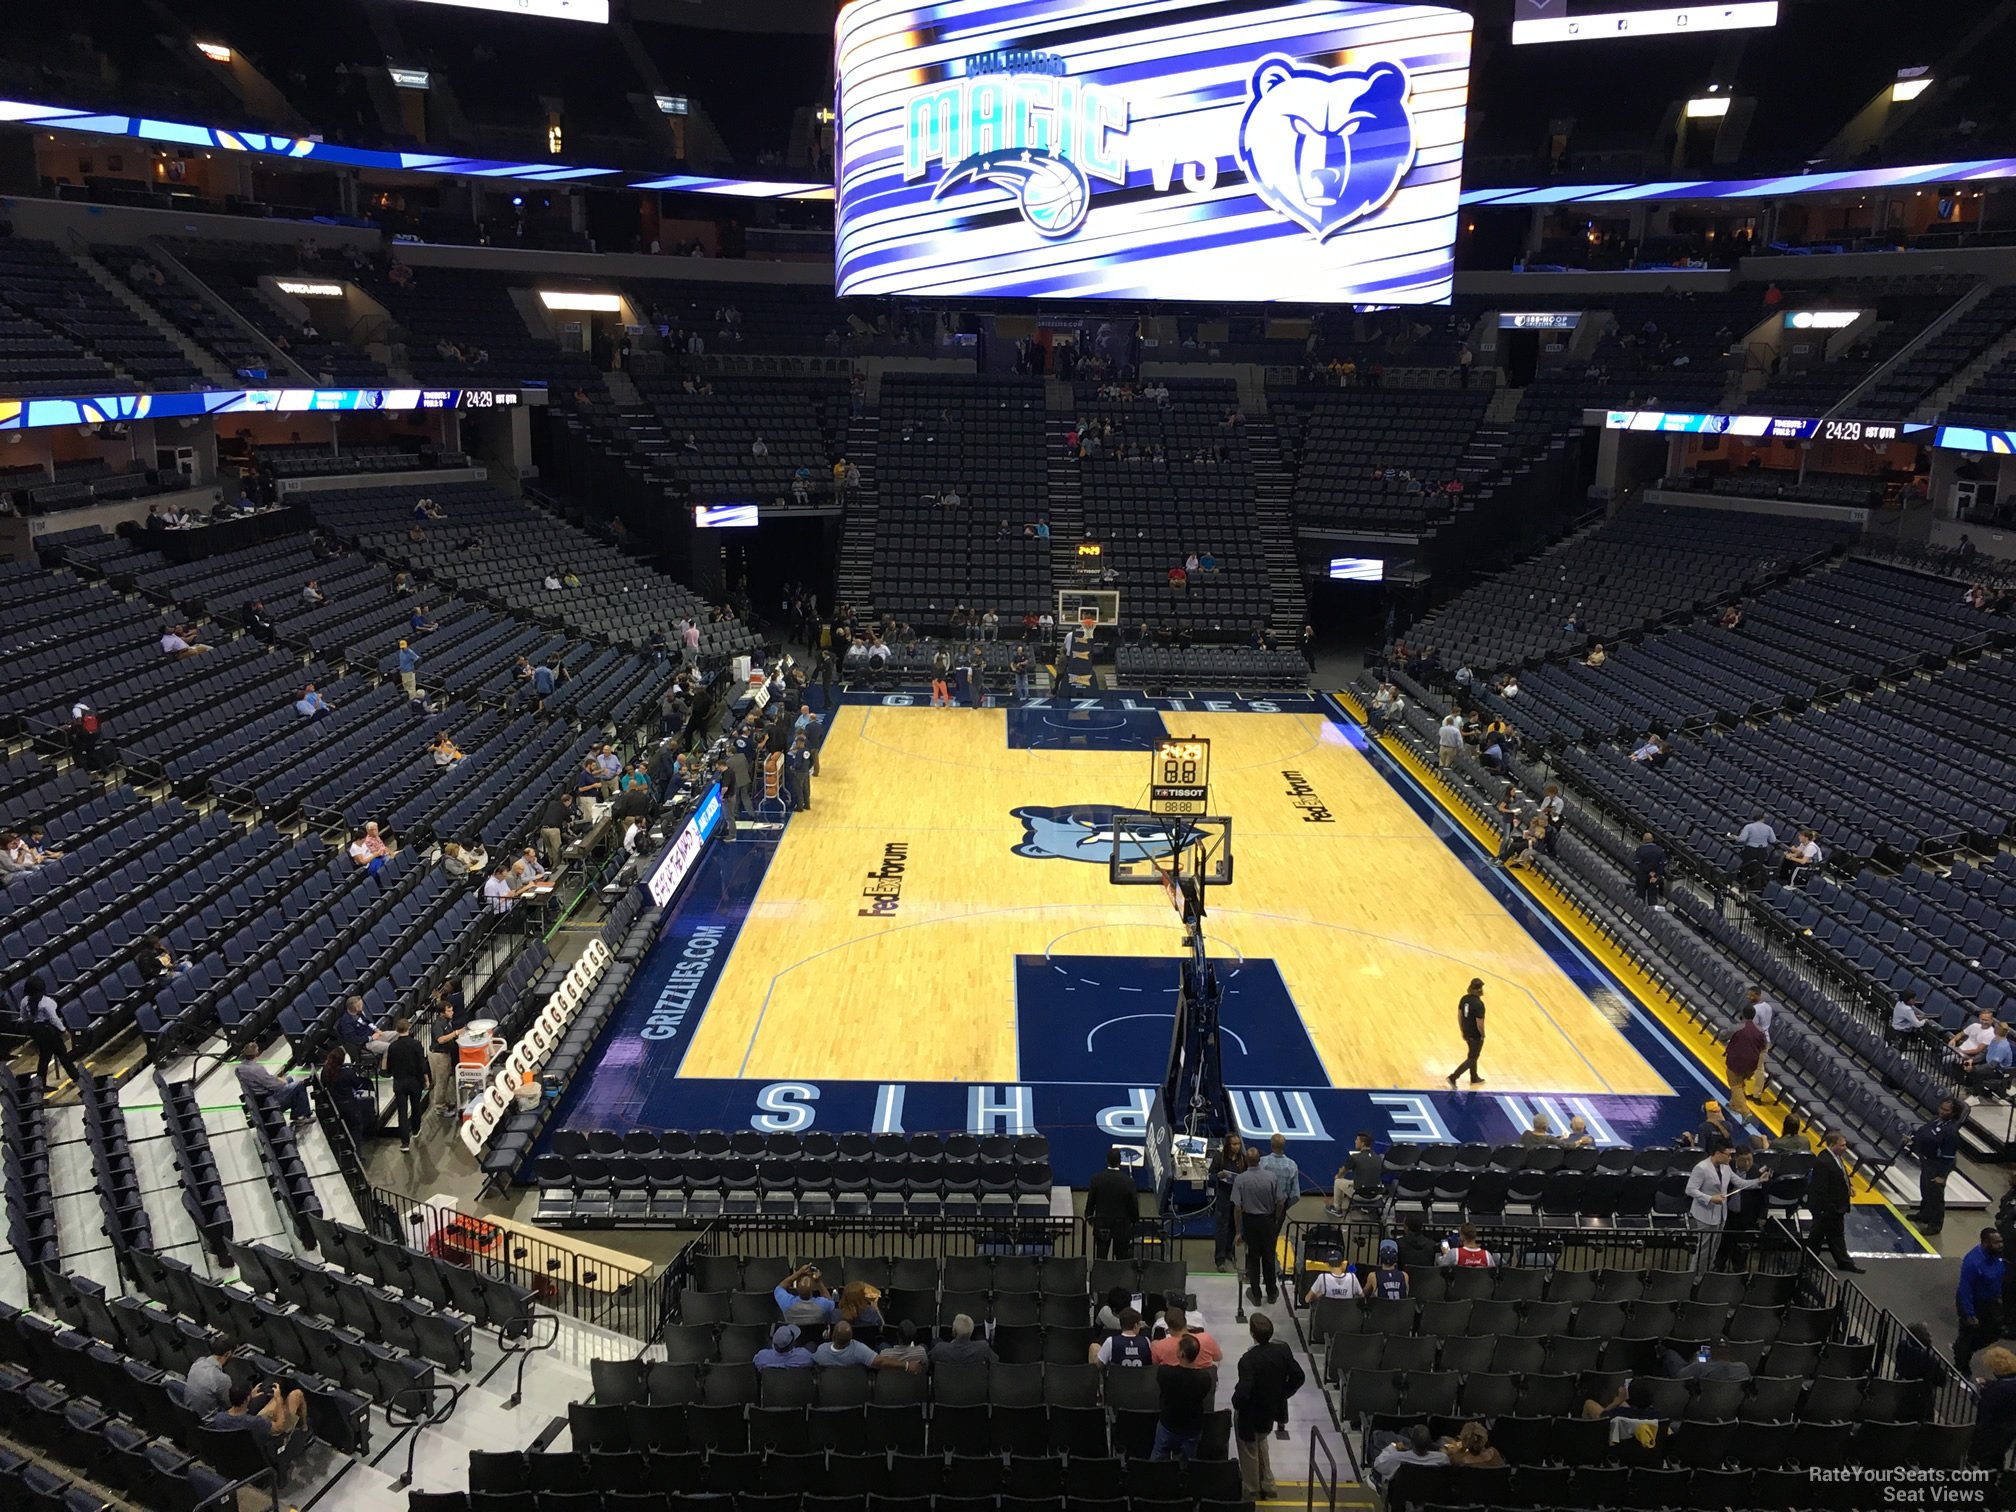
724,516
1163,149
1608,20
1358,569
557,10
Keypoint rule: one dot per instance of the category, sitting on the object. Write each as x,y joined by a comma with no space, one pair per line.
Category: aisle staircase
854,583
204,362
1274,510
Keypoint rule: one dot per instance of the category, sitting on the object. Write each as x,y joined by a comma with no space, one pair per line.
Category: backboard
1165,849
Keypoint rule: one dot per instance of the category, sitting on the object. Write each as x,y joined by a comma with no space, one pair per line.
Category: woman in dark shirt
1995,1414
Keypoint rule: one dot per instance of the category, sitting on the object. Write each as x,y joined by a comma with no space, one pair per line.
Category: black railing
1325,1478
562,1275
904,1238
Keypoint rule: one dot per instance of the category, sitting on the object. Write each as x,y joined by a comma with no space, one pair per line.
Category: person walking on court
1937,1146
406,1064
1256,1218
1268,1377
1111,1207
1827,1198
1470,1024
47,1031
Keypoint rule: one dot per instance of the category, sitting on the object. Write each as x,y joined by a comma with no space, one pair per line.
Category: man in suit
1827,1196
1111,1207
1268,1376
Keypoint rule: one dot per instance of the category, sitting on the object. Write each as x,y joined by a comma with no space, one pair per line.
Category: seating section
82,1402
1899,393
1623,1187
1214,667
232,271
1521,1348
1905,306
516,547
1813,637
703,443
309,461
1379,458
202,1183
62,332
166,291
462,329
1162,480
646,1177
31,1202
983,439
1636,569
489,1302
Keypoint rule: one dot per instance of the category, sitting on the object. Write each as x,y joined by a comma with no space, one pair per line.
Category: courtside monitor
724,516
1306,150
1358,569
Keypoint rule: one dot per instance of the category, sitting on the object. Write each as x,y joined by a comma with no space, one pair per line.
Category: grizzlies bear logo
1083,832
1326,147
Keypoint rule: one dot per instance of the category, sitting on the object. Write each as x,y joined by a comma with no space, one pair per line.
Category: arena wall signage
1766,427
500,1093
1174,149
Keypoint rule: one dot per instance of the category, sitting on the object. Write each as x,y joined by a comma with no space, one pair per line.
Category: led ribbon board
110,409
1768,427
1309,150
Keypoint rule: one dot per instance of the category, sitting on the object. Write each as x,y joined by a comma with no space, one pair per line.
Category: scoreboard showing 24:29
1180,780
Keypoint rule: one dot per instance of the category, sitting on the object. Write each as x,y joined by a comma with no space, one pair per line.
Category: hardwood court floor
1375,926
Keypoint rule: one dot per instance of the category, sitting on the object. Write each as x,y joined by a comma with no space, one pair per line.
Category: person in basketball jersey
1129,1349
1468,1253
1389,1281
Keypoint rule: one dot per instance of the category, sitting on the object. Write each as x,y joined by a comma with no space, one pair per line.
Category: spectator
1596,657
784,1351
206,1389
409,670
1468,1253
1472,1448
284,1092
1387,706
1339,1283
460,860
16,858
155,960
1757,840
906,1353
1792,1138
1907,1021
84,728
1186,1391
1971,1042
313,596
553,829
1994,1411
802,1297
1651,751
268,1414
1540,1133
1742,1057
311,705
1282,1167
175,642
1449,739
259,624
1268,1376
349,1089
587,789
962,1347
858,1304
1805,851
419,622
758,450
1256,1220
444,750
1128,1346
1167,1349
369,845
1417,1448
358,1034
842,1348
498,892
1361,1180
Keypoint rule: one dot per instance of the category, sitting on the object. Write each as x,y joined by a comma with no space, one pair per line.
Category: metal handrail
433,1417
1328,1480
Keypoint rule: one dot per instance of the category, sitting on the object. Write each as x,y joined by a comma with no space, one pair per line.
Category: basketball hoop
1088,620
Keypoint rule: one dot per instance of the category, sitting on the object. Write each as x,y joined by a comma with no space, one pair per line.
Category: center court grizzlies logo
1083,832
1326,147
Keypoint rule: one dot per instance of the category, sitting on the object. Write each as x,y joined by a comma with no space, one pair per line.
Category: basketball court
938,944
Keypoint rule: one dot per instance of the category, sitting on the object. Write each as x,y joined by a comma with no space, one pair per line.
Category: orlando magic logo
1051,191
1326,147
1085,832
